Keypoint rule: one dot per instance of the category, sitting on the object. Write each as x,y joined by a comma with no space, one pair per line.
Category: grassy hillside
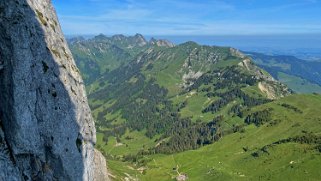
102,54
298,84
251,154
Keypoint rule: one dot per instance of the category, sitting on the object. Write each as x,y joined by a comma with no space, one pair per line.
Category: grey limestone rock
161,43
47,131
101,172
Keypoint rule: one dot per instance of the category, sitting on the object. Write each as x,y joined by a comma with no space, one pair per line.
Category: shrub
41,18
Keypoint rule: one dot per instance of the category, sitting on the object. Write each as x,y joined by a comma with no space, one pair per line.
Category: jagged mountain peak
138,35
139,39
118,37
161,43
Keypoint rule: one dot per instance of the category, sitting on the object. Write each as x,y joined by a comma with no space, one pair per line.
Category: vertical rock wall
47,131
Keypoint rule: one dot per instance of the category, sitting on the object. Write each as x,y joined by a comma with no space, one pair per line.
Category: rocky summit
46,128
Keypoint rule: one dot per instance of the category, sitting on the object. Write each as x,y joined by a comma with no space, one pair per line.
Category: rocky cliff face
46,131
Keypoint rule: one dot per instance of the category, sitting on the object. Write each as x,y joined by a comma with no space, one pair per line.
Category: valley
166,111
302,76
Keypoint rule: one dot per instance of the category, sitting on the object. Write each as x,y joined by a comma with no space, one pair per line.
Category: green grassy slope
94,58
231,158
102,54
298,84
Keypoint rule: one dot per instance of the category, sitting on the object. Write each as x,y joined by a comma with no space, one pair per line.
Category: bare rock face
101,173
8,170
161,43
47,131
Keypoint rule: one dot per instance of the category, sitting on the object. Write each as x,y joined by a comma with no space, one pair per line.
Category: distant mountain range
166,111
101,53
302,76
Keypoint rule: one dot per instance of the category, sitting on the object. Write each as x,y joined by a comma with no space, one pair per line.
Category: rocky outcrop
161,43
47,131
128,42
267,85
101,173
273,89
139,40
237,53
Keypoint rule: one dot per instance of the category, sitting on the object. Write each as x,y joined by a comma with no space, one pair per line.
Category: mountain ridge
97,57
148,50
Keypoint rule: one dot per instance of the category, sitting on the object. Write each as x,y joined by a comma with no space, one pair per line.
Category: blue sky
189,17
